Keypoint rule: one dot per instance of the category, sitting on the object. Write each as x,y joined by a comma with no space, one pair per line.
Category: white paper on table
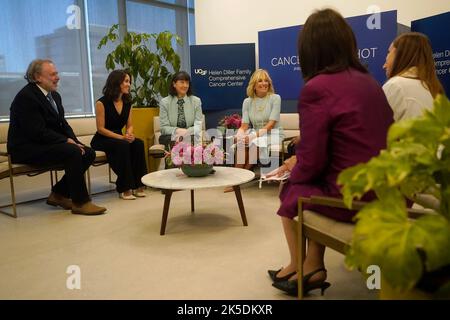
260,142
274,176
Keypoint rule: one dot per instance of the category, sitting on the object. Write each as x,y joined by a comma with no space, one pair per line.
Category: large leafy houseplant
416,161
150,58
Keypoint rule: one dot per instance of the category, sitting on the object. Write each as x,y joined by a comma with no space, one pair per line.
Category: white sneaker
128,197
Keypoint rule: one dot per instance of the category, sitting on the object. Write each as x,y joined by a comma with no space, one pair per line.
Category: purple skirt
289,202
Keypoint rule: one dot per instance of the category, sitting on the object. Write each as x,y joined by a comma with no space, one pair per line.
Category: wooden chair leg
13,196
109,174
88,181
51,179
301,249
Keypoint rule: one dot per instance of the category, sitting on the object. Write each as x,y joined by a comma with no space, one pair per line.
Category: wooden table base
168,196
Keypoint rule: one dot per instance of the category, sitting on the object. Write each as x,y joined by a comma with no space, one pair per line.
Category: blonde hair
259,74
35,68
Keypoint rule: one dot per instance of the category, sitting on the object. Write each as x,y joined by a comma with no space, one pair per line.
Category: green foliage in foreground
416,161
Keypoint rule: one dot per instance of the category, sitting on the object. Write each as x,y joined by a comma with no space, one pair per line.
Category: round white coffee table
172,180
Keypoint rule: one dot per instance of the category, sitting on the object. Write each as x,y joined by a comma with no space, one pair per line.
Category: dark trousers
127,160
72,185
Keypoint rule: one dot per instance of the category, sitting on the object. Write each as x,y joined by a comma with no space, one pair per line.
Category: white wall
238,21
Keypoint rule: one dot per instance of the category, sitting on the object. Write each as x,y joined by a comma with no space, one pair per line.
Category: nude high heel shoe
139,194
128,197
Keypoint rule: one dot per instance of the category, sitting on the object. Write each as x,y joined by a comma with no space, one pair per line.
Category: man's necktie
52,102
181,121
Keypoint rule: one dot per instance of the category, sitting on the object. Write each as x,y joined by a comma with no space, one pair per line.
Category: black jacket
34,124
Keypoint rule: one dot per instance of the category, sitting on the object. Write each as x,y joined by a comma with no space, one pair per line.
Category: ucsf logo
200,72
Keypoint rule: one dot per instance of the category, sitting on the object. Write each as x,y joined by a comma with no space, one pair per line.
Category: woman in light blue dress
260,122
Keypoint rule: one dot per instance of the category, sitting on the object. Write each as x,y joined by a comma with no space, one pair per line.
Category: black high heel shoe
273,275
291,287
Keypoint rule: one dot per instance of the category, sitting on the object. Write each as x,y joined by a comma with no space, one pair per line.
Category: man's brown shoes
88,209
55,199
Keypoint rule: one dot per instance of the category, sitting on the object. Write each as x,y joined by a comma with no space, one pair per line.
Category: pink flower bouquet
231,122
186,154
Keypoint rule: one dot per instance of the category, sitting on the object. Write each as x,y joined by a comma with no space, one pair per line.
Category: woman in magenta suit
344,118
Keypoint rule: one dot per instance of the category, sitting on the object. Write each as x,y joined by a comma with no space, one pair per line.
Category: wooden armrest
157,147
284,140
3,150
289,139
333,202
356,205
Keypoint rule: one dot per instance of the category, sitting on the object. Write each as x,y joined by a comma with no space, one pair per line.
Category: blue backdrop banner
278,50
220,74
437,29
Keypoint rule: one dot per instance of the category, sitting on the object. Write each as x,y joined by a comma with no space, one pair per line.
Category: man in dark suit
40,135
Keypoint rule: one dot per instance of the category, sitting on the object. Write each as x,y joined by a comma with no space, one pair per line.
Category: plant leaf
148,58
417,160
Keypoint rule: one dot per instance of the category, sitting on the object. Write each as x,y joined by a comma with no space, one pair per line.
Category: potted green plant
152,61
409,252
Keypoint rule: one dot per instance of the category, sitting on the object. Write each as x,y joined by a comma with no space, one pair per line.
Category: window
191,19
43,34
158,16
39,29
102,14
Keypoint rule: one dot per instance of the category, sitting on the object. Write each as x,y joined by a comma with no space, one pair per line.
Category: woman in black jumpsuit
125,153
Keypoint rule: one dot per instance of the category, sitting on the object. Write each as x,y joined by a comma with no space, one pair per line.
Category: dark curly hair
180,75
111,90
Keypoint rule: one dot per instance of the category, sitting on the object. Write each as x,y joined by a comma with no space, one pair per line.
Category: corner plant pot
196,170
143,129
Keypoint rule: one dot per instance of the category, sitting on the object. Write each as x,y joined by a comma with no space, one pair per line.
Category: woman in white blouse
412,82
